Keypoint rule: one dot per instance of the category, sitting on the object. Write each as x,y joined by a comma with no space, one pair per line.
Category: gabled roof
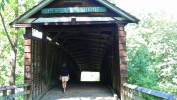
118,10
31,11
44,3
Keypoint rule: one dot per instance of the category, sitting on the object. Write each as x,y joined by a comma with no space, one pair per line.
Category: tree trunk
12,69
13,50
14,54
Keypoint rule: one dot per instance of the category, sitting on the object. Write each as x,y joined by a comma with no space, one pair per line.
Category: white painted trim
29,20
78,19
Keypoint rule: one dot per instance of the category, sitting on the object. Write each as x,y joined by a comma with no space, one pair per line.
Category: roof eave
114,8
31,12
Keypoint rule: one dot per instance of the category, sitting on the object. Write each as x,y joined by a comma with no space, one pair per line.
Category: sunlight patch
90,76
37,34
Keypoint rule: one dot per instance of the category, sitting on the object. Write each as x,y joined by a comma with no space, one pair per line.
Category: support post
44,60
28,59
115,63
5,93
110,65
122,58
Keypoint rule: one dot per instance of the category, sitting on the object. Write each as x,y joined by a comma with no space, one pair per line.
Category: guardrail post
137,93
5,93
125,95
25,96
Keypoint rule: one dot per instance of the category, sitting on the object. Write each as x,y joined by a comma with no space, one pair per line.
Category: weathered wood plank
27,42
122,46
7,97
122,53
2,89
122,33
27,61
122,39
123,67
123,60
13,87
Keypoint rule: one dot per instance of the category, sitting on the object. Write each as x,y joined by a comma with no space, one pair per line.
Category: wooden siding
122,57
27,63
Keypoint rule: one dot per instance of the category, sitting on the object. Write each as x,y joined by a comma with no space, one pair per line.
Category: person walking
64,75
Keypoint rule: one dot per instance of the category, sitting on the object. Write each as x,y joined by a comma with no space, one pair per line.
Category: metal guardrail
135,95
4,90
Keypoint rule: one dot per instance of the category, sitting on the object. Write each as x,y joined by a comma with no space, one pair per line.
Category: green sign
72,10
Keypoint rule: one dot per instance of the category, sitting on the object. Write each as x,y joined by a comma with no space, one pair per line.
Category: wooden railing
21,90
132,92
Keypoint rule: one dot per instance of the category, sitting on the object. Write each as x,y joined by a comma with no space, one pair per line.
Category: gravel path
80,91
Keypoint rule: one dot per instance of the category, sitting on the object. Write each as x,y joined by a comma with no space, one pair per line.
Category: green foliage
151,49
19,78
19,98
138,66
2,4
11,7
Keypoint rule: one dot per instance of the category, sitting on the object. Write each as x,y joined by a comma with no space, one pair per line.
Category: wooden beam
88,56
77,29
71,33
85,48
87,51
90,63
81,44
90,59
85,37
86,41
63,42
53,39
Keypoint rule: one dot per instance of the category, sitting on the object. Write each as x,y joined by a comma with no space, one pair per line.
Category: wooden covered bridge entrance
88,35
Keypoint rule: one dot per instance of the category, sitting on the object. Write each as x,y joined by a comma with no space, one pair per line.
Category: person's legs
63,84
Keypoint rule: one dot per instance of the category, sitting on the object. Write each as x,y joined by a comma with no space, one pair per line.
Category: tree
151,47
13,46
9,11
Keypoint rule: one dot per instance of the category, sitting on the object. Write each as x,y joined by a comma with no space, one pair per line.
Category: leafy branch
7,34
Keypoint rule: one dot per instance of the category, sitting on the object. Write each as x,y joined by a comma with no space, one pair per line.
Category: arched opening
90,76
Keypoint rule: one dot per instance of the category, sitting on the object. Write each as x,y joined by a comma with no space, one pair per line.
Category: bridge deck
81,91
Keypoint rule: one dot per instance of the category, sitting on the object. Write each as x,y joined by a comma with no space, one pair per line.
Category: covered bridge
88,35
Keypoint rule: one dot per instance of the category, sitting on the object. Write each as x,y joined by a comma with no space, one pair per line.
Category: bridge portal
88,35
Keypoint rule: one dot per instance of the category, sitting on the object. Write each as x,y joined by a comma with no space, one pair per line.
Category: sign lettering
72,10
